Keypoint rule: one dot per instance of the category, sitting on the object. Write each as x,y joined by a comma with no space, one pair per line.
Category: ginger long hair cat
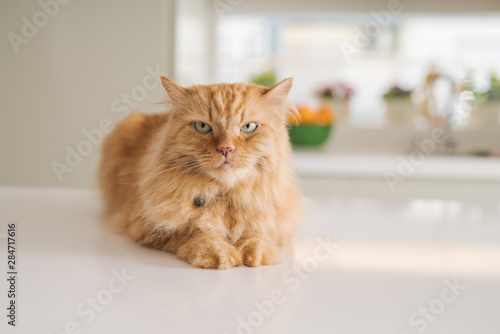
210,180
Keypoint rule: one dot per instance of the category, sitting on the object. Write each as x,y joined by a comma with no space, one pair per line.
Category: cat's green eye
202,127
249,127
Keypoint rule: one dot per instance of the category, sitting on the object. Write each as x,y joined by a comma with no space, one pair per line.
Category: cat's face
227,131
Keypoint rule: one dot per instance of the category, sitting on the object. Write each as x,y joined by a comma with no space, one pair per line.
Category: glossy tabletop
356,266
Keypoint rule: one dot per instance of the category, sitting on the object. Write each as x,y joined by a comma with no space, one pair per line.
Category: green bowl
309,134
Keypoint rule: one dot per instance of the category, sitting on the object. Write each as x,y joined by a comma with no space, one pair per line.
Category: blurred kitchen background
397,99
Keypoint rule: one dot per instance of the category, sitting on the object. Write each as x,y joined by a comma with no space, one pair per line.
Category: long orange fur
154,167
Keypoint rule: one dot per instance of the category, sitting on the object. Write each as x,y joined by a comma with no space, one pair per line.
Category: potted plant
337,97
486,112
267,79
400,109
310,127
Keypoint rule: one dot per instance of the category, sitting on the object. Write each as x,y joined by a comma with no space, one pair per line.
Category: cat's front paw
211,254
257,251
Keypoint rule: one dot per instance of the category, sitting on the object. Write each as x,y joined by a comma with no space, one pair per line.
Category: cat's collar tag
199,201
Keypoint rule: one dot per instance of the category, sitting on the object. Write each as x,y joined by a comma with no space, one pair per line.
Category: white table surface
441,168
391,260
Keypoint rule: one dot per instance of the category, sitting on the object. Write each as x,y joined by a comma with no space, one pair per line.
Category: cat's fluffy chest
233,211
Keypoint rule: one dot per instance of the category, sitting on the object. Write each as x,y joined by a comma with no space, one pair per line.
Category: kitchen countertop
442,168
356,266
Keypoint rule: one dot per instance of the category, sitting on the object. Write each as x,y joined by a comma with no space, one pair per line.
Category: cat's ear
175,92
277,95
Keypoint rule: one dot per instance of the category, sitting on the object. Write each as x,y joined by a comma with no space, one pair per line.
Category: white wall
283,6
195,42
66,78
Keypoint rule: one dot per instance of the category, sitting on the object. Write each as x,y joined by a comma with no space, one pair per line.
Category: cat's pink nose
225,150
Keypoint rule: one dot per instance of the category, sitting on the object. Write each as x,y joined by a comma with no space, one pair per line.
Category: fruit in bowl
311,128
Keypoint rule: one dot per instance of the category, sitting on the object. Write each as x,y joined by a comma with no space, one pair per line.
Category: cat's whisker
296,117
183,172
301,183
151,175
174,153
275,174
184,163
293,173
152,171
263,167
135,171
180,174
270,173
171,153
198,169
